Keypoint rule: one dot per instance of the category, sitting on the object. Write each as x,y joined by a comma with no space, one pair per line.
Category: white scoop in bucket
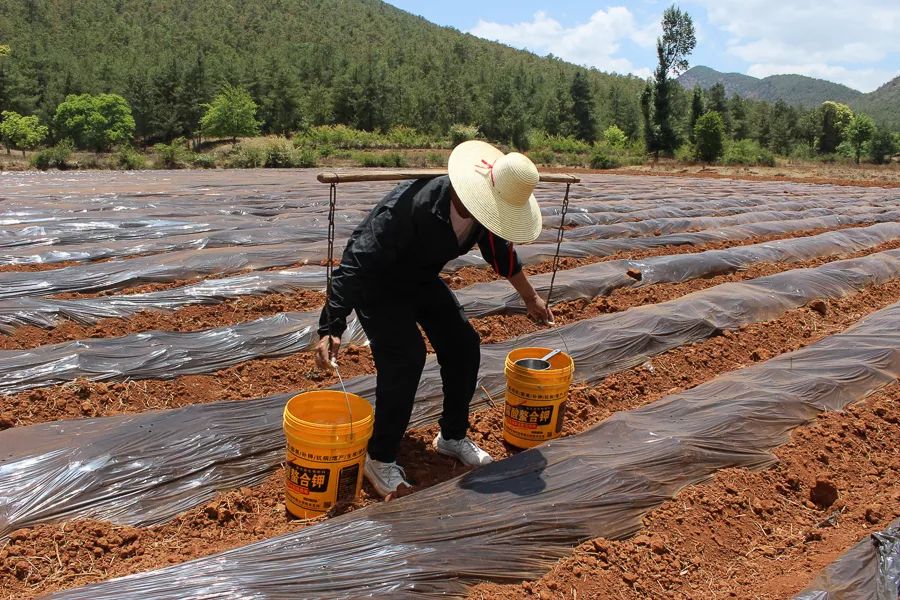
537,364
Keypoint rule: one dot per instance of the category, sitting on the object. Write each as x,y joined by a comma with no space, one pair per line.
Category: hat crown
514,178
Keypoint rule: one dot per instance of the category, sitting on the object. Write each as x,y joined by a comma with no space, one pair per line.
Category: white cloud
594,43
848,42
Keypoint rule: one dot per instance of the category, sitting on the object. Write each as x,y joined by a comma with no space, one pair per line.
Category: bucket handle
346,396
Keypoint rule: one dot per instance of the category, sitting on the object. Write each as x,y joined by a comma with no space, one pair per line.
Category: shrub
246,157
56,157
542,157
174,155
203,161
685,153
407,137
460,133
390,159
709,137
803,152
278,155
614,137
748,152
435,159
540,140
601,159
131,159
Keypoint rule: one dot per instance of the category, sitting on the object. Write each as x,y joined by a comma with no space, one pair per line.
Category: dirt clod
819,306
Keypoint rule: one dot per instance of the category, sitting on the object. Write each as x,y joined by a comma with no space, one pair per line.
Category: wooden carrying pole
397,175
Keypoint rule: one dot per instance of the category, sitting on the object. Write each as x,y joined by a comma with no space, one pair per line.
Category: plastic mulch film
513,519
534,253
146,468
602,278
158,354
161,354
666,226
46,312
190,263
868,571
153,269
257,236
478,300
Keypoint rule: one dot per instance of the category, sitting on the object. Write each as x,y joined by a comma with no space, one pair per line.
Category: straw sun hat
497,189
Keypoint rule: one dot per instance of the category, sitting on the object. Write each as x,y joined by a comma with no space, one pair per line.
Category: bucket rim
295,422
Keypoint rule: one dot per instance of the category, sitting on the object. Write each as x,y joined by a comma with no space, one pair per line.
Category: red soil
52,557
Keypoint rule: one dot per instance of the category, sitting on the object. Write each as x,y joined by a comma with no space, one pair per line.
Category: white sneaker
385,477
464,450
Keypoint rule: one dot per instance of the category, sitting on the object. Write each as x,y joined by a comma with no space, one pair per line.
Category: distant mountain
883,104
793,89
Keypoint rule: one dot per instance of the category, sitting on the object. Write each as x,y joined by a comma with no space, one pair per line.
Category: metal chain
559,239
329,269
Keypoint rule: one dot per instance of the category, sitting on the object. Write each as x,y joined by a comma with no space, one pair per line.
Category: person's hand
324,354
538,310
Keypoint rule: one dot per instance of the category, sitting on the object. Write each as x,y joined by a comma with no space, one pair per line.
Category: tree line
128,71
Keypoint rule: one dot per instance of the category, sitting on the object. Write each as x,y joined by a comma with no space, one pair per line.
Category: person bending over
390,275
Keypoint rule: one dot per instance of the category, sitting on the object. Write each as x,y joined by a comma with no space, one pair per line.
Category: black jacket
406,240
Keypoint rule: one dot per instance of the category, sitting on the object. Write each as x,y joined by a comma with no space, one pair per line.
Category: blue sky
854,43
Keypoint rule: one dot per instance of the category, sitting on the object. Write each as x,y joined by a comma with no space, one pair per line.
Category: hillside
793,89
883,103
359,62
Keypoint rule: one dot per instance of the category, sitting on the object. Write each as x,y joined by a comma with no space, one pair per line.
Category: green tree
583,108
672,49
882,146
696,110
614,137
709,133
782,120
740,126
97,122
717,101
232,114
859,131
24,133
835,118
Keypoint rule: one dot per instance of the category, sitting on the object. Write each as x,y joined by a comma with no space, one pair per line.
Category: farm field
731,431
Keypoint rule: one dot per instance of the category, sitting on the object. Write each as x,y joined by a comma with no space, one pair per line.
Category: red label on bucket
303,480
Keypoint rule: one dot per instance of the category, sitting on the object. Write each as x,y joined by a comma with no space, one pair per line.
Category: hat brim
472,181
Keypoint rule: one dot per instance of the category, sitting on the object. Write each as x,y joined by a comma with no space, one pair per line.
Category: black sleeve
378,243
500,254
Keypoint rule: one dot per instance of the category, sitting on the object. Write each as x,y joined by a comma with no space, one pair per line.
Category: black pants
399,353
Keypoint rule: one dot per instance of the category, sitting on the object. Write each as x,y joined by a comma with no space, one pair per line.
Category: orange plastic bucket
326,450
535,400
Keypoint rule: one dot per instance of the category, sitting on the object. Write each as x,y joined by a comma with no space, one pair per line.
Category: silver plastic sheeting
479,299
160,354
666,226
602,278
166,355
868,571
46,312
535,253
146,468
153,269
184,264
513,519
257,236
